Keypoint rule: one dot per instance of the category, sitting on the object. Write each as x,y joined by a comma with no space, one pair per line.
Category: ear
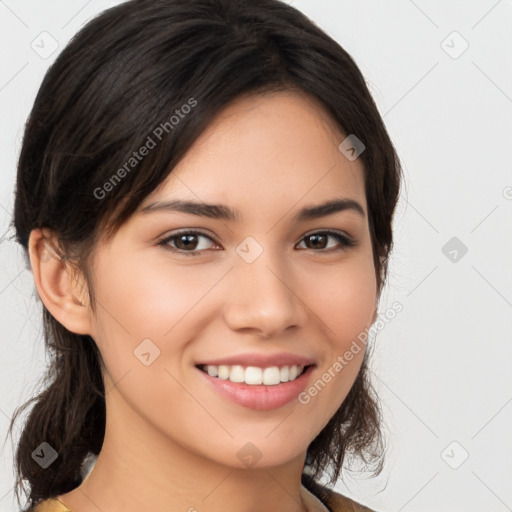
61,288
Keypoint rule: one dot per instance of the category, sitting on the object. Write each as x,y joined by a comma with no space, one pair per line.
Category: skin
171,443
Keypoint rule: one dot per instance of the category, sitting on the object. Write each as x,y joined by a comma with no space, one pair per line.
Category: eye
186,242
319,238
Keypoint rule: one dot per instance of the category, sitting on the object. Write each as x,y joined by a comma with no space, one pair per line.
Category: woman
205,195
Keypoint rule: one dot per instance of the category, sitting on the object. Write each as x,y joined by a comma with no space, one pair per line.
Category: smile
257,380
254,375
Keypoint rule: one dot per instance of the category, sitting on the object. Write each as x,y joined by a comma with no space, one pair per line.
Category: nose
264,297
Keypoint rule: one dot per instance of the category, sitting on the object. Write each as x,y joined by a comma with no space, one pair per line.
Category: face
251,298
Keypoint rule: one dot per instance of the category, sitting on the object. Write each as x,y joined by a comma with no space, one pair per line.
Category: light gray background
442,366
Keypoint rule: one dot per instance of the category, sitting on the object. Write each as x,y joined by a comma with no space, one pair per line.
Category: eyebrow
220,211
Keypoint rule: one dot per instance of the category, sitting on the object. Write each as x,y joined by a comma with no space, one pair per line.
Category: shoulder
50,505
334,501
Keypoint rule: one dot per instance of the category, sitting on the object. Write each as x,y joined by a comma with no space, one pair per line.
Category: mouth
261,388
255,375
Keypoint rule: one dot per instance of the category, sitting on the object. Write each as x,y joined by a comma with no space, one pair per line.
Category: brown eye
319,240
187,242
184,242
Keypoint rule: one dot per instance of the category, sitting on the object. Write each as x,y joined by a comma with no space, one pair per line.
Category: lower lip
259,397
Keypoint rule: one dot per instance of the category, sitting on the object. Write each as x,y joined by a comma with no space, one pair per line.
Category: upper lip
260,360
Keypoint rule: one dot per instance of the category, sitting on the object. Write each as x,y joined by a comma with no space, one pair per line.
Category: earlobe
62,294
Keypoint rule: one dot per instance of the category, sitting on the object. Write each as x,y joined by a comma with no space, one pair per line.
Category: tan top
51,505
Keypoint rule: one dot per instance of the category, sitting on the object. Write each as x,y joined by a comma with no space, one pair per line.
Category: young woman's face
252,296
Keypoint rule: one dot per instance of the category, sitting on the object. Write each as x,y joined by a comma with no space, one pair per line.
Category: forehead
264,151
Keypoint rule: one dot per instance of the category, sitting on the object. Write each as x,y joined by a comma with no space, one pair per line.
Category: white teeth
271,376
223,372
253,375
237,374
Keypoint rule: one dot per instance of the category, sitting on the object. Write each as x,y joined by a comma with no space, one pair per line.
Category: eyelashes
190,239
343,240
181,235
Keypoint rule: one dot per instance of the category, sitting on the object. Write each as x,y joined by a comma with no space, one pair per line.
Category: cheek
346,304
353,310
148,312
345,299
142,327
141,299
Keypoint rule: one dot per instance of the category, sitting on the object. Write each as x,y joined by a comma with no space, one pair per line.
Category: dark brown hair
124,74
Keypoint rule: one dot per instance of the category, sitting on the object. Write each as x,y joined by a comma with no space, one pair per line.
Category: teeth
223,372
236,374
271,376
254,375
